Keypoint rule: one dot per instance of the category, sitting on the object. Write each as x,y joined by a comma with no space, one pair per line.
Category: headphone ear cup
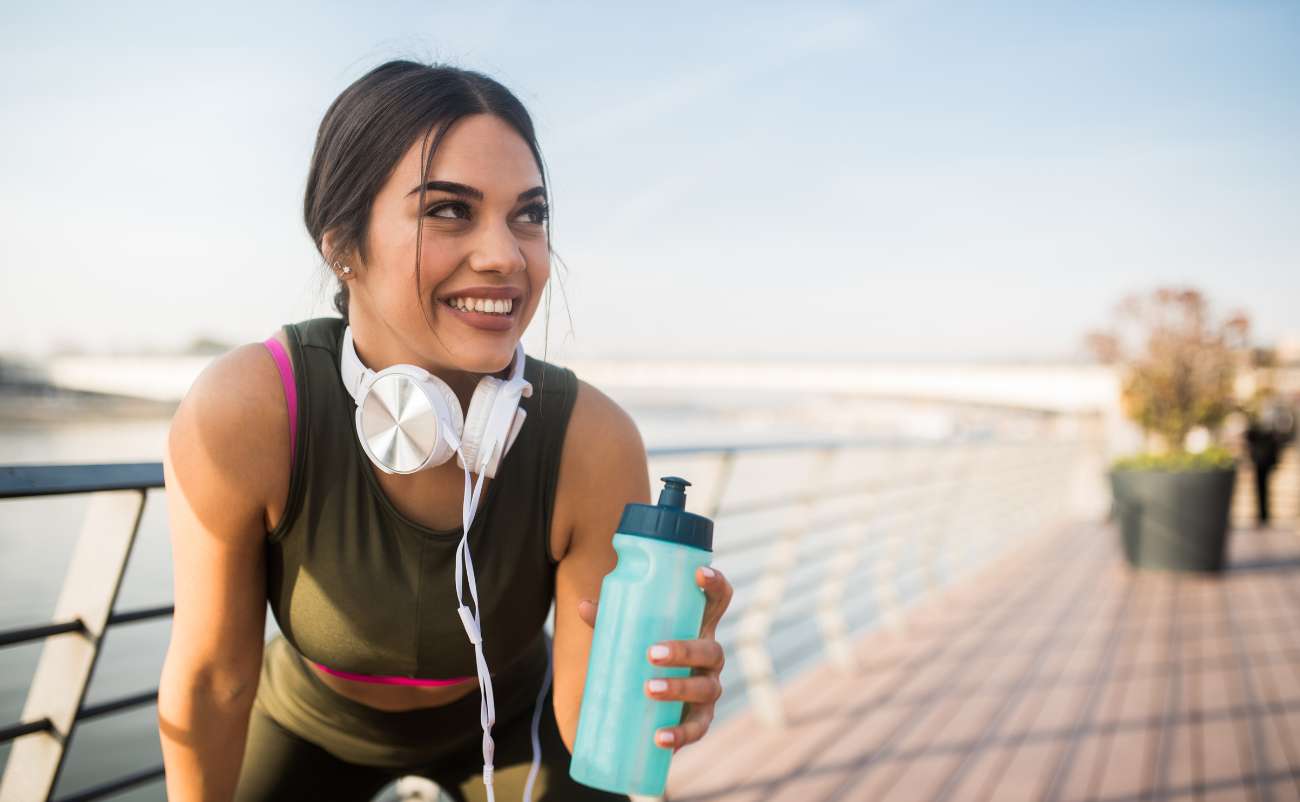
408,420
476,422
451,416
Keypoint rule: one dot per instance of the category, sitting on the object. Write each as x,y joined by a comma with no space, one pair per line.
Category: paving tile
1042,679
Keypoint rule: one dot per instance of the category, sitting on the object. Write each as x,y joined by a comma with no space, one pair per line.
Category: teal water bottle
650,596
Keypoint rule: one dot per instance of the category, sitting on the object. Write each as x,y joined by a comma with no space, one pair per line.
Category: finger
699,653
692,729
718,592
587,612
702,689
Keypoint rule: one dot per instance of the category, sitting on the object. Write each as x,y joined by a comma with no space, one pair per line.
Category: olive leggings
307,742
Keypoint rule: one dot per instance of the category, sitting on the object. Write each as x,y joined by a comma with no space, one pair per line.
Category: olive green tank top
357,586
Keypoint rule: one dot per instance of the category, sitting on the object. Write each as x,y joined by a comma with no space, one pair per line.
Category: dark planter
1174,520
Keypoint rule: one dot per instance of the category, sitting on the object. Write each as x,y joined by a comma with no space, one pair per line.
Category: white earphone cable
473,628
537,721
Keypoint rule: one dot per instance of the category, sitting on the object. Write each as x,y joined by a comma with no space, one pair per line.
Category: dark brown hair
368,128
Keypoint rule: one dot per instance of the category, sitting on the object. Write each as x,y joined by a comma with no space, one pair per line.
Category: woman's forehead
482,151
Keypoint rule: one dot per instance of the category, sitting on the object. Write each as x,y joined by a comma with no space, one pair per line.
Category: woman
427,198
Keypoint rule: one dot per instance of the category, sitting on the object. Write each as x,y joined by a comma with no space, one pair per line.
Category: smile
484,314
499,306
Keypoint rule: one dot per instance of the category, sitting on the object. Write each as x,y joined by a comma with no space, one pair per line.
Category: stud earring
343,270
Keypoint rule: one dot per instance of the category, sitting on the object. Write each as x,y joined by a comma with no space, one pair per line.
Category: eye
536,213
453,210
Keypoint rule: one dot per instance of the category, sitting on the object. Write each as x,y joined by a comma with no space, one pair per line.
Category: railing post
67,661
903,491
988,523
830,597
970,461
756,621
945,495
726,462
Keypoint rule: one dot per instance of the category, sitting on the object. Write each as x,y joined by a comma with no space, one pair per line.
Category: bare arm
602,468
227,455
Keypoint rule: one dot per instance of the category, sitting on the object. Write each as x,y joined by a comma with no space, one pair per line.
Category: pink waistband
379,679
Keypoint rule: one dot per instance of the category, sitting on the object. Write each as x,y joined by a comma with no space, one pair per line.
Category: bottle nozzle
674,492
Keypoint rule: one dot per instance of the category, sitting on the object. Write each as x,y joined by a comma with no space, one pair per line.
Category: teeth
499,306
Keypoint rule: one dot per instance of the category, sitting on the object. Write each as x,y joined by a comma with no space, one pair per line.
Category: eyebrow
466,191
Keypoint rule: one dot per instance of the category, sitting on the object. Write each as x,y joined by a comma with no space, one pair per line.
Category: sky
877,180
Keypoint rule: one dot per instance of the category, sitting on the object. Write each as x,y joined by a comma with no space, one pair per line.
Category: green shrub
1211,458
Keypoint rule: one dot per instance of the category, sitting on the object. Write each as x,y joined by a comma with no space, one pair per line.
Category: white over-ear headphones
409,420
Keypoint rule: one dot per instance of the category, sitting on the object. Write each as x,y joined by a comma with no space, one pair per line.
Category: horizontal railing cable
117,786
94,711
13,637
146,614
13,731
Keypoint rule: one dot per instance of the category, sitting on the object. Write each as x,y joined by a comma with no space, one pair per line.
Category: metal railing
82,616
859,526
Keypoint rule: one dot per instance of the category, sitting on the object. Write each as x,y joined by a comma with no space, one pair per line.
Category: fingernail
666,738
658,652
708,572
657,685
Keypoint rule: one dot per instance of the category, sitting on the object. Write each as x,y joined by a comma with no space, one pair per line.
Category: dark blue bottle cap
668,520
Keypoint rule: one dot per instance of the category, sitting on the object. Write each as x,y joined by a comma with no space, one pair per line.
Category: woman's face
483,236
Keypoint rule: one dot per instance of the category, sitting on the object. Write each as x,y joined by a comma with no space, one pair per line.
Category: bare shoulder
596,417
602,466
228,445
227,457
602,441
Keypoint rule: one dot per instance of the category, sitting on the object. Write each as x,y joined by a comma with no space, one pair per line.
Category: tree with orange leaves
1178,362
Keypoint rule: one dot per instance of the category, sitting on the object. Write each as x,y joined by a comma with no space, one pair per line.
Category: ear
329,247
336,257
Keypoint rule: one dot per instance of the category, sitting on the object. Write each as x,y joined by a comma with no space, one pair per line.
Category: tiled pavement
1055,674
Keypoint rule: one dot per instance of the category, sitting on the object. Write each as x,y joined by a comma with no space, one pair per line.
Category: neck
378,347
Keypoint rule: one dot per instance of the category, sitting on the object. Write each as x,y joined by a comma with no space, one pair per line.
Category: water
37,537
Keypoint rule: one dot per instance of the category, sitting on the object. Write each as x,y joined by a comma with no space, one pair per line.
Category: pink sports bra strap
290,389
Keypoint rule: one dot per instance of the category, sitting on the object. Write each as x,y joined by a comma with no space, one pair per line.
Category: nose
496,250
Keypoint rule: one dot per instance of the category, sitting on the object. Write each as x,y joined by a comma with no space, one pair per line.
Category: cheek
539,274
538,256
439,258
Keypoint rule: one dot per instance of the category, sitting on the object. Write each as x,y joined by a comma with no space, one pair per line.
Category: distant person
328,471
1268,431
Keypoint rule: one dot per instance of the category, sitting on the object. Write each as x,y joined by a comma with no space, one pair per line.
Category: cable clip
471,628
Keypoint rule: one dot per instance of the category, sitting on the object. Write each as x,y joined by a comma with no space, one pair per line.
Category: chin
486,360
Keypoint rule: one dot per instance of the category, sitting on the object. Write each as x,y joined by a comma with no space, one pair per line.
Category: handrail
20,481
1001,485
